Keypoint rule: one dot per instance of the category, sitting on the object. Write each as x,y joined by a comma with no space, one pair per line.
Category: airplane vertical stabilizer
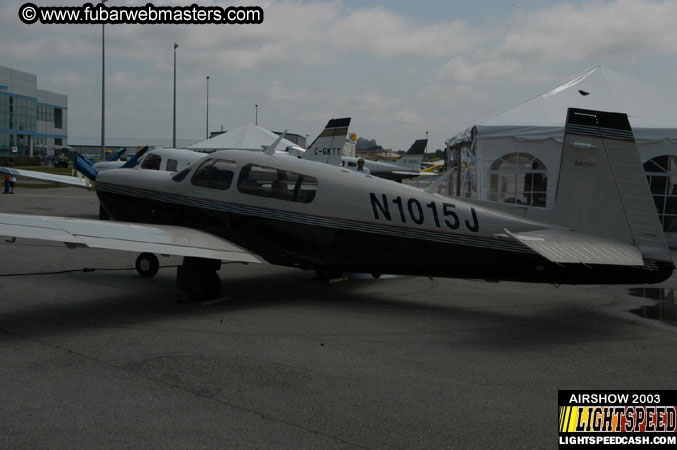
412,159
602,187
328,146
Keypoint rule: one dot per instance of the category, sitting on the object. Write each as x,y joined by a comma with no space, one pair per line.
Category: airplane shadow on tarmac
122,299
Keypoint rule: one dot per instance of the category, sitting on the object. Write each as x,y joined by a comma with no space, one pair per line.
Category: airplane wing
126,236
43,176
563,246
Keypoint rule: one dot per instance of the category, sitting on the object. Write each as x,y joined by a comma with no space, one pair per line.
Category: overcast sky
398,68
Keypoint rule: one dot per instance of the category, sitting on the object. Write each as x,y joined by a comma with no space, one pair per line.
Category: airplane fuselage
337,220
388,171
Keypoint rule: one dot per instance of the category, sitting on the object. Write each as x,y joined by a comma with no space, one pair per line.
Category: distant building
385,154
31,120
91,146
295,138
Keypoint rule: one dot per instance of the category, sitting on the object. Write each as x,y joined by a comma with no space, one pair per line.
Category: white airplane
325,148
408,166
330,152
160,158
261,207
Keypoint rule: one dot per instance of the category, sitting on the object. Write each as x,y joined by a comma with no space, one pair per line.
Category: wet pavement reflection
664,308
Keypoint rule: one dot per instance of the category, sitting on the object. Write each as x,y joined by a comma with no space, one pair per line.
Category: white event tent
528,138
246,137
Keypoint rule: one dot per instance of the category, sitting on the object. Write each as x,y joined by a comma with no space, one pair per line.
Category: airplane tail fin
602,187
84,165
328,146
134,160
116,155
412,159
271,150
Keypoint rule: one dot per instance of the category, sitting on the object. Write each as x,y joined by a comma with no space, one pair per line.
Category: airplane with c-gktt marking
408,166
262,207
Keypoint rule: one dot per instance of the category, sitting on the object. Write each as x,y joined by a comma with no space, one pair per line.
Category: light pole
174,127
103,90
207,126
256,120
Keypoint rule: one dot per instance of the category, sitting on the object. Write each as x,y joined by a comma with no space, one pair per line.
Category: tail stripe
590,130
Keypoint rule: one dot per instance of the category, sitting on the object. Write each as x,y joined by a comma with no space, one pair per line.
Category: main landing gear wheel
147,265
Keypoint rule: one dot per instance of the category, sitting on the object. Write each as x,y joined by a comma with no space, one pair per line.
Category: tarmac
107,359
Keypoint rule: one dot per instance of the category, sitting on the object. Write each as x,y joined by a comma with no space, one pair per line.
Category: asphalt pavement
107,359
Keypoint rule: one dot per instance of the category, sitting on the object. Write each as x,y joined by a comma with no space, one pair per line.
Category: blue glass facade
31,120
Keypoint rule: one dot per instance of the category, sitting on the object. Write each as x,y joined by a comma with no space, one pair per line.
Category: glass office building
32,121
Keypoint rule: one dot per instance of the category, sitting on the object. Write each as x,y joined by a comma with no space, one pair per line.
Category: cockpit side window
214,174
276,183
151,162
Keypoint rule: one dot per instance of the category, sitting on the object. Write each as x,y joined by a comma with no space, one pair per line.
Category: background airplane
408,166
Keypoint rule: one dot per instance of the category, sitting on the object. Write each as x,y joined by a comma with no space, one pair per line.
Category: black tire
208,288
147,265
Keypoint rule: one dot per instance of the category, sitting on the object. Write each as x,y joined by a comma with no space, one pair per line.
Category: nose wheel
147,265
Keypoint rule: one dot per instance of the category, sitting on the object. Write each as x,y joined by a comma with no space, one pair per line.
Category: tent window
661,173
518,178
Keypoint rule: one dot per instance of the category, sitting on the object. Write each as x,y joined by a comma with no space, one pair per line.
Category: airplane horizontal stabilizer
133,237
414,174
568,247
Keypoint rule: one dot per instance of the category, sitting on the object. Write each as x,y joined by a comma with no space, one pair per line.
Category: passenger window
352,164
151,162
276,183
172,164
214,174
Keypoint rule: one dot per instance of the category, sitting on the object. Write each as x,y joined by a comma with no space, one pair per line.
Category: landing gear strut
103,214
198,277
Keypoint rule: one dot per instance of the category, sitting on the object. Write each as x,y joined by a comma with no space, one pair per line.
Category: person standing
10,181
361,168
